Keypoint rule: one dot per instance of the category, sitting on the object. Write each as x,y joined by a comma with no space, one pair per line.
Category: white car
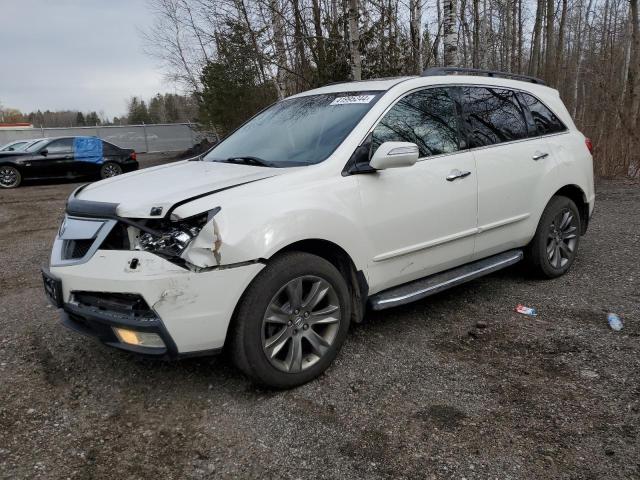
356,195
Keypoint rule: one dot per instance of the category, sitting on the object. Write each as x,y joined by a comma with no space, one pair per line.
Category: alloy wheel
9,177
300,324
111,170
562,239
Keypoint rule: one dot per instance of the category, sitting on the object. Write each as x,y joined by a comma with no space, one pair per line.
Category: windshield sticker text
353,99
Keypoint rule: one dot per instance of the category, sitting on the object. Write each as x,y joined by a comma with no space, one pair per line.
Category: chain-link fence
174,137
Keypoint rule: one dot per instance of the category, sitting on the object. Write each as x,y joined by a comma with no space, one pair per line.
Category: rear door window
493,115
426,118
544,120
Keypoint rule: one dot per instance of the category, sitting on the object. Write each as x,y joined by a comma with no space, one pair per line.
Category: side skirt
424,287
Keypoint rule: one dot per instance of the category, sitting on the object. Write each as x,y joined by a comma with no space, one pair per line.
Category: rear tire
291,322
110,169
10,177
554,247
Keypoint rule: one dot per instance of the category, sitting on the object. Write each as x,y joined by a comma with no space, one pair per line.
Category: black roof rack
429,72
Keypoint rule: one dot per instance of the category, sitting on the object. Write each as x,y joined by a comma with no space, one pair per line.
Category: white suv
354,195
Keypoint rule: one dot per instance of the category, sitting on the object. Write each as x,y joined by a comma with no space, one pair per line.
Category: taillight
589,145
133,155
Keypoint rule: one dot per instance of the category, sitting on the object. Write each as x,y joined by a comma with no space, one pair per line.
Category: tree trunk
301,56
534,61
514,35
279,47
415,29
450,33
476,34
632,88
560,44
321,58
354,40
549,33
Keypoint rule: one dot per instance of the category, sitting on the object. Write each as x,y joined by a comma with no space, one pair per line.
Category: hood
12,154
136,193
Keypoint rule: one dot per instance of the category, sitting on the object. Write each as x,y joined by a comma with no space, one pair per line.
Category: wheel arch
339,258
578,196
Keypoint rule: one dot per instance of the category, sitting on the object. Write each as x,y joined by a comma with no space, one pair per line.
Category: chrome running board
423,287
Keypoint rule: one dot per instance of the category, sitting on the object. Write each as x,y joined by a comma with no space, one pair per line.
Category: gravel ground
458,386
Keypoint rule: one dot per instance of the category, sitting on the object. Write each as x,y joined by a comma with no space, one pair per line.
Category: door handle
539,155
455,174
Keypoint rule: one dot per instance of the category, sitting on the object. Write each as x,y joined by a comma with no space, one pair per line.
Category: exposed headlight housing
173,237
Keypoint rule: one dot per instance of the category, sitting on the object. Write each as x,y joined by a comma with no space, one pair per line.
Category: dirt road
458,386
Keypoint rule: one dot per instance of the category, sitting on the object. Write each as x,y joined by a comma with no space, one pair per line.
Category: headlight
173,238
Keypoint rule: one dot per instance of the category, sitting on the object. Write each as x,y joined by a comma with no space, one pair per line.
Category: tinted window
296,131
109,149
544,120
64,145
426,118
35,146
493,116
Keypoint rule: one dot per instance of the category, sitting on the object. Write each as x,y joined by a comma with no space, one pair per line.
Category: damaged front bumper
142,292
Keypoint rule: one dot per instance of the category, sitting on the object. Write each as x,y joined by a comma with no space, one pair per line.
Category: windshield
34,146
296,131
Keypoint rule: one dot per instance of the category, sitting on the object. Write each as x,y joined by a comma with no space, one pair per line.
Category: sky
75,54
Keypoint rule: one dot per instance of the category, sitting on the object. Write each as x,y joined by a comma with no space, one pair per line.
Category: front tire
555,244
10,177
291,321
110,169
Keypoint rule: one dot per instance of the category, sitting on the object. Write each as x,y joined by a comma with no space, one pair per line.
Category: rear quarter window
493,115
544,120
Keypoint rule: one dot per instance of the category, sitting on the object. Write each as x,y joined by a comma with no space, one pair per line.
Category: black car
65,157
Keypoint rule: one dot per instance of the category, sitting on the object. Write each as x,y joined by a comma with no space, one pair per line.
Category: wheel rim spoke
318,291
277,314
294,293
275,343
318,344
294,356
566,220
325,315
564,248
558,256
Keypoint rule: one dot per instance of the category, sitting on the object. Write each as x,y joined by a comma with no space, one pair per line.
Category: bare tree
415,26
354,39
450,33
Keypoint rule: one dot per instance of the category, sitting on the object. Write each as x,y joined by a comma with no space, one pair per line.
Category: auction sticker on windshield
353,99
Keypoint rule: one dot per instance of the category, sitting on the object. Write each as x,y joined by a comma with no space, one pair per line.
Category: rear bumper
129,165
191,310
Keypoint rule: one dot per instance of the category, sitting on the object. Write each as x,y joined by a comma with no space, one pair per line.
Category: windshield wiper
249,161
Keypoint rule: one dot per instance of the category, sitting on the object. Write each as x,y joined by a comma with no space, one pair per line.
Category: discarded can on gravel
614,322
532,312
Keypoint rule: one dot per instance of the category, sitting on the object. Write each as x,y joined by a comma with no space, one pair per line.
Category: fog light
141,339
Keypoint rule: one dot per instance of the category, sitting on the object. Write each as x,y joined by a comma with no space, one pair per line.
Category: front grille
127,304
74,249
78,239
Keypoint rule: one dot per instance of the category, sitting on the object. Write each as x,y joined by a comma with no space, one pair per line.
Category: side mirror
395,155
10,149
44,152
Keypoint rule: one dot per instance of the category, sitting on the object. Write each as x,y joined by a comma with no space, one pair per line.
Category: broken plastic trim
164,242
231,265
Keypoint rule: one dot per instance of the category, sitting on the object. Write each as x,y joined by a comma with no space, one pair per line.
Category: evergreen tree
233,87
80,122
